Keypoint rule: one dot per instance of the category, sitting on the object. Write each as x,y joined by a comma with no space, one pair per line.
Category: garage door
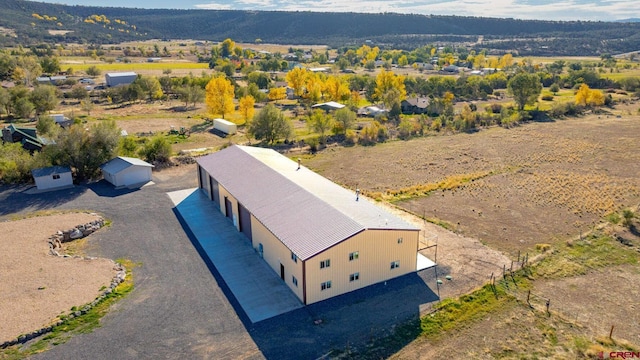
215,191
204,184
245,221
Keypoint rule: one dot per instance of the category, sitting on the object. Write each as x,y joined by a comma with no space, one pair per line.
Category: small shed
120,78
225,126
53,177
125,171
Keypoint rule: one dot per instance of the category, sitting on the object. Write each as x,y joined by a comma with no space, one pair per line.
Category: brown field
37,287
546,182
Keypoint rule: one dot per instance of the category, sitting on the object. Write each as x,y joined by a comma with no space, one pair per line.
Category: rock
75,234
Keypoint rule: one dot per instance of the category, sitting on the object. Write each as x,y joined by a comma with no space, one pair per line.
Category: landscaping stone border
55,243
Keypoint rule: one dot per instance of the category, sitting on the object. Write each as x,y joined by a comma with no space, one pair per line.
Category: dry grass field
510,188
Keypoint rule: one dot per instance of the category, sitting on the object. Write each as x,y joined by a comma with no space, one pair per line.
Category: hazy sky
605,10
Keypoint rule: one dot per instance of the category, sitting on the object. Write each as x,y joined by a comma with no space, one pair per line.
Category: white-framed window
354,276
56,176
395,264
325,285
354,255
294,257
399,240
294,280
325,264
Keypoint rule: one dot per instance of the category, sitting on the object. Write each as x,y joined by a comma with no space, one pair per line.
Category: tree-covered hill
33,22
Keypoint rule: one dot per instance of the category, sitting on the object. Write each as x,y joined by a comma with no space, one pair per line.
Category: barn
320,238
53,177
120,78
125,171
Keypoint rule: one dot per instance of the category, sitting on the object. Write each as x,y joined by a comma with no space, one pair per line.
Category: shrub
157,150
350,138
543,247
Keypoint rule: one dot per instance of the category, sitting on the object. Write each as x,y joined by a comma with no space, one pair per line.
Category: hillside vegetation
26,22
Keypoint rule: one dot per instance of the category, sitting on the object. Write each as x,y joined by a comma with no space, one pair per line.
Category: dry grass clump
449,183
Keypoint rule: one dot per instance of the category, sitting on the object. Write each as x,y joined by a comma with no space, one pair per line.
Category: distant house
125,171
53,177
121,78
328,106
26,136
371,111
416,105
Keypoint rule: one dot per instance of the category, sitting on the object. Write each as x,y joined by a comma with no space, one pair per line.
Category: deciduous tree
245,106
277,93
269,125
297,79
320,122
345,119
219,96
525,89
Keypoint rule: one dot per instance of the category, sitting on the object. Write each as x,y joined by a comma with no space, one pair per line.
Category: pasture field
510,188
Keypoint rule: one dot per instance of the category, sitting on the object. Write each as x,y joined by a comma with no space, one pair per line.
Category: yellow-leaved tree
336,88
245,105
277,93
388,81
314,85
296,79
588,97
219,96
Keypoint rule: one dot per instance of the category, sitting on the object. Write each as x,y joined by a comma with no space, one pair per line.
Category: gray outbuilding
125,171
53,177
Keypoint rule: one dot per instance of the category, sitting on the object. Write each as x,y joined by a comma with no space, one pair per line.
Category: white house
125,171
53,177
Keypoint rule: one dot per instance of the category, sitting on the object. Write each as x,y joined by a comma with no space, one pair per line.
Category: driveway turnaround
257,288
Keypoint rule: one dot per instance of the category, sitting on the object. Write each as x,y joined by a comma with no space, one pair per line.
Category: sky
596,10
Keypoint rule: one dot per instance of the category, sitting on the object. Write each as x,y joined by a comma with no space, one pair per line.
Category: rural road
179,308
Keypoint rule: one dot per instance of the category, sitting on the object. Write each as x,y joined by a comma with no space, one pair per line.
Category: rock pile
78,232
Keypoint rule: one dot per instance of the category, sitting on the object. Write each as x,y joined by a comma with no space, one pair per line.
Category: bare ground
36,286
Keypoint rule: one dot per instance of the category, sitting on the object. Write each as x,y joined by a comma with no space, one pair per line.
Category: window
294,257
325,285
395,264
294,280
399,240
325,264
353,256
56,176
354,277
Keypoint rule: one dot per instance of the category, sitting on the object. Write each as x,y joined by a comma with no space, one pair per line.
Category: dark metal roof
306,211
51,170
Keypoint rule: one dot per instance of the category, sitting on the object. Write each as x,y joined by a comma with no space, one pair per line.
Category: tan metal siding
275,253
376,250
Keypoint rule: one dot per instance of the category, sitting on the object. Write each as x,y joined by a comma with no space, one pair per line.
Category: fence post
611,332
504,272
528,296
518,255
548,303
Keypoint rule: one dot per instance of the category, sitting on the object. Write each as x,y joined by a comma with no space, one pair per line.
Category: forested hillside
31,22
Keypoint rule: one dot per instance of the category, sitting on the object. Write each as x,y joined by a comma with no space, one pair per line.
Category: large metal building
322,239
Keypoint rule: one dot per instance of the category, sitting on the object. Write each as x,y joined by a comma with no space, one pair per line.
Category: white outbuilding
120,78
53,177
225,126
125,171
